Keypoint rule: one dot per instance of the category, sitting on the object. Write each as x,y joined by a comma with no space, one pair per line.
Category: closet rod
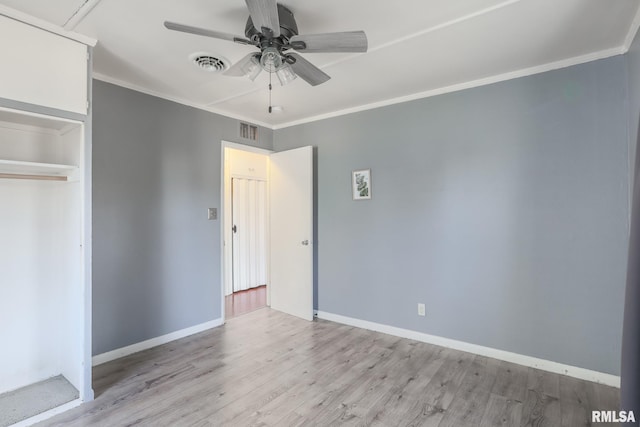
36,177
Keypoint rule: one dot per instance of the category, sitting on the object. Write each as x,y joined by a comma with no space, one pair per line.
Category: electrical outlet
421,310
213,213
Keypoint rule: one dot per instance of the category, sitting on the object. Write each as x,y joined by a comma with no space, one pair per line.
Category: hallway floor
245,301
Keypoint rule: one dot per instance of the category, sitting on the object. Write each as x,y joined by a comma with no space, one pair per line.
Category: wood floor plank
511,381
544,382
402,405
347,366
269,369
435,396
145,397
540,409
353,403
574,415
255,401
502,411
469,405
575,402
232,384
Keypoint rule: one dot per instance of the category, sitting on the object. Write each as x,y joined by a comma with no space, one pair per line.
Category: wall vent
248,131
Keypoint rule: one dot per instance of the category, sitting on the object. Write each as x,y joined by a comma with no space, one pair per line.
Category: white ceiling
416,47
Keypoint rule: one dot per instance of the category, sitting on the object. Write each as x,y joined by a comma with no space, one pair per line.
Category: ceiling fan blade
348,41
264,14
204,32
307,71
239,68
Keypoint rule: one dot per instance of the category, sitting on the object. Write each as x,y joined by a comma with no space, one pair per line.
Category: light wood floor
269,369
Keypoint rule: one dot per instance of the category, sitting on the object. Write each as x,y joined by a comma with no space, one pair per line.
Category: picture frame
361,184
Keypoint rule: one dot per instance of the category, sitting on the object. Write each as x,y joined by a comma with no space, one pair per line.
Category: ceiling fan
272,28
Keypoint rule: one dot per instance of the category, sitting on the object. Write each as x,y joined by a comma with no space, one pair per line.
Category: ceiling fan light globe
285,74
270,60
255,72
251,68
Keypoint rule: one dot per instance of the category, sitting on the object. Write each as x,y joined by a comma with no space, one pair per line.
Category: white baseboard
47,414
519,359
153,342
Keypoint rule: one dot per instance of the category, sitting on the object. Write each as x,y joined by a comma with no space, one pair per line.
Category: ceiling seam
443,25
229,98
80,14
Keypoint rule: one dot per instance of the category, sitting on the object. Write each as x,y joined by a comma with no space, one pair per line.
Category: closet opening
43,310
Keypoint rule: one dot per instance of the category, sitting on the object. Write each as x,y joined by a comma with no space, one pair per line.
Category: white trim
48,414
633,30
153,342
49,117
127,85
46,26
461,86
222,216
519,359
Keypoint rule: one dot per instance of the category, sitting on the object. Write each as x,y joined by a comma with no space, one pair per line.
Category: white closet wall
41,284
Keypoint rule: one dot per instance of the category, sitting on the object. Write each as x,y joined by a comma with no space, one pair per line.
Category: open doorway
245,229
288,236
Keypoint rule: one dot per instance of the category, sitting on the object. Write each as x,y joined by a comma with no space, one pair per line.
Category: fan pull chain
270,89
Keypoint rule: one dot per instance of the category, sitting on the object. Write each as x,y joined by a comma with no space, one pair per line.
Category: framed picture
361,184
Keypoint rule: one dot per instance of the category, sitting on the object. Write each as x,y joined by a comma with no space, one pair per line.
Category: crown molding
462,86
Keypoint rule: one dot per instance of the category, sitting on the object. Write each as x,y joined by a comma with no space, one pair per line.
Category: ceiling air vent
248,131
209,63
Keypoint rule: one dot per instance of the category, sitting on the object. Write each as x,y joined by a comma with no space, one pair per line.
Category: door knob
305,243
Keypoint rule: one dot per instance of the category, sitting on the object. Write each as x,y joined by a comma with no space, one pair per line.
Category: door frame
226,253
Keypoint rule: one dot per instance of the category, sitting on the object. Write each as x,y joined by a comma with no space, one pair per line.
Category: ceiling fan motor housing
288,29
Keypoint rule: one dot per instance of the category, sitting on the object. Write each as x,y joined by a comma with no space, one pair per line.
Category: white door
291,217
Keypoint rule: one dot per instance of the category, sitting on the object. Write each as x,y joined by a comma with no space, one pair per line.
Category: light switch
213,213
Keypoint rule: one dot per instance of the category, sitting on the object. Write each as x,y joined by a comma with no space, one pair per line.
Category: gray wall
156,257
503,208
630,388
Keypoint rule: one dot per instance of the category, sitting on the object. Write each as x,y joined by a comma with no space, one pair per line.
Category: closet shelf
15,169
